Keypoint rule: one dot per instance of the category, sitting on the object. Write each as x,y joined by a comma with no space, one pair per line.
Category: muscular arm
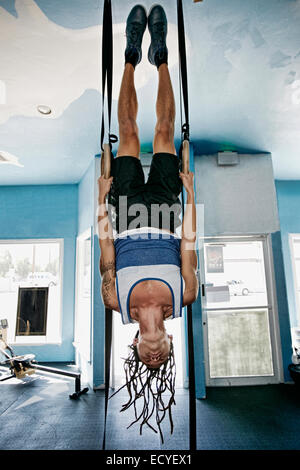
107,257
188,249
108,289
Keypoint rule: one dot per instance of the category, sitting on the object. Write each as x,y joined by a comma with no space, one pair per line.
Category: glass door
239,320
294,239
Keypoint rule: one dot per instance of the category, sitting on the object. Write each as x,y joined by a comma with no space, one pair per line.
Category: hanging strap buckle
185,131
112,139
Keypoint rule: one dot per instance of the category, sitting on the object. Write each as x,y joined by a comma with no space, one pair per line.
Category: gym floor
235,418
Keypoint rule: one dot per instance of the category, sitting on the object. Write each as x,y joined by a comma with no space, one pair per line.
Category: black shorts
155,203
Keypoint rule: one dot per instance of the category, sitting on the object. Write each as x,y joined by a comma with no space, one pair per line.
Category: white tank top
144,257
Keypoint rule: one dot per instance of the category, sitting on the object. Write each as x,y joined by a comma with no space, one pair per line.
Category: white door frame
272,314
292,236
87,234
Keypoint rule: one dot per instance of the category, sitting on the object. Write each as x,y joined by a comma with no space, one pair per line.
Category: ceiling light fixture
9,159
43,109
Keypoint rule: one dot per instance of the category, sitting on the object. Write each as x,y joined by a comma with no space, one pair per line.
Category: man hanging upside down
148,272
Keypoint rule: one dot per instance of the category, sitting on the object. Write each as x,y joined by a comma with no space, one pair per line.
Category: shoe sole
142,6
153,6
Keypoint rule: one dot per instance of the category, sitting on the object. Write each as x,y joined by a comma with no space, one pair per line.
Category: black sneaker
158,27
135,28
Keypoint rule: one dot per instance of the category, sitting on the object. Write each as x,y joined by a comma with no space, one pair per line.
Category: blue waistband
147,250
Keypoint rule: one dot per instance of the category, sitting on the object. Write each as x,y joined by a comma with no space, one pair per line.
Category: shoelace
134,34
159,33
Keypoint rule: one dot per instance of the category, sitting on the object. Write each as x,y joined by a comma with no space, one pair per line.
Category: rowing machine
22,366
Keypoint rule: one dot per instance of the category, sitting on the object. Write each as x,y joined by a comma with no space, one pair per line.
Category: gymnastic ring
106,161
185,157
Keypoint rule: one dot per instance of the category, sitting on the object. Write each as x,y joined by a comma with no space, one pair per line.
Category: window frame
294,271
60,241
277,377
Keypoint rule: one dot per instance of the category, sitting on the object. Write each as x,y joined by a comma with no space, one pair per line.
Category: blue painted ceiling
244,82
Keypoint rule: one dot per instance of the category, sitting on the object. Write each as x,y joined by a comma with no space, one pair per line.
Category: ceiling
244,82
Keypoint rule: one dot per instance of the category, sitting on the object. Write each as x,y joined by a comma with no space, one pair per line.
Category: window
31,264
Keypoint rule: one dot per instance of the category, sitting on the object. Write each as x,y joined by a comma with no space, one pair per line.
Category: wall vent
228,158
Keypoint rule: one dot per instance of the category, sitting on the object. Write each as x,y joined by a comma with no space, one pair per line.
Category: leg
127,113
165,112
127,105
164,184
165,104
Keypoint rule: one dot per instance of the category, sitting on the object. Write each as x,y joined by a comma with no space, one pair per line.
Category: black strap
107,69
185,136
192,391
192,386
107,77
183,70
108,340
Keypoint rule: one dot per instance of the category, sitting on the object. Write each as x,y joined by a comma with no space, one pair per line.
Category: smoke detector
43,109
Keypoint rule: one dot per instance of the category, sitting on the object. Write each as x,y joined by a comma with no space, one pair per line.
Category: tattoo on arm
107,266
108,273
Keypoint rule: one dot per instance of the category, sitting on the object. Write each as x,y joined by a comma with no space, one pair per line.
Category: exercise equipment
107,78
106,159
294,370
22,366
184,153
